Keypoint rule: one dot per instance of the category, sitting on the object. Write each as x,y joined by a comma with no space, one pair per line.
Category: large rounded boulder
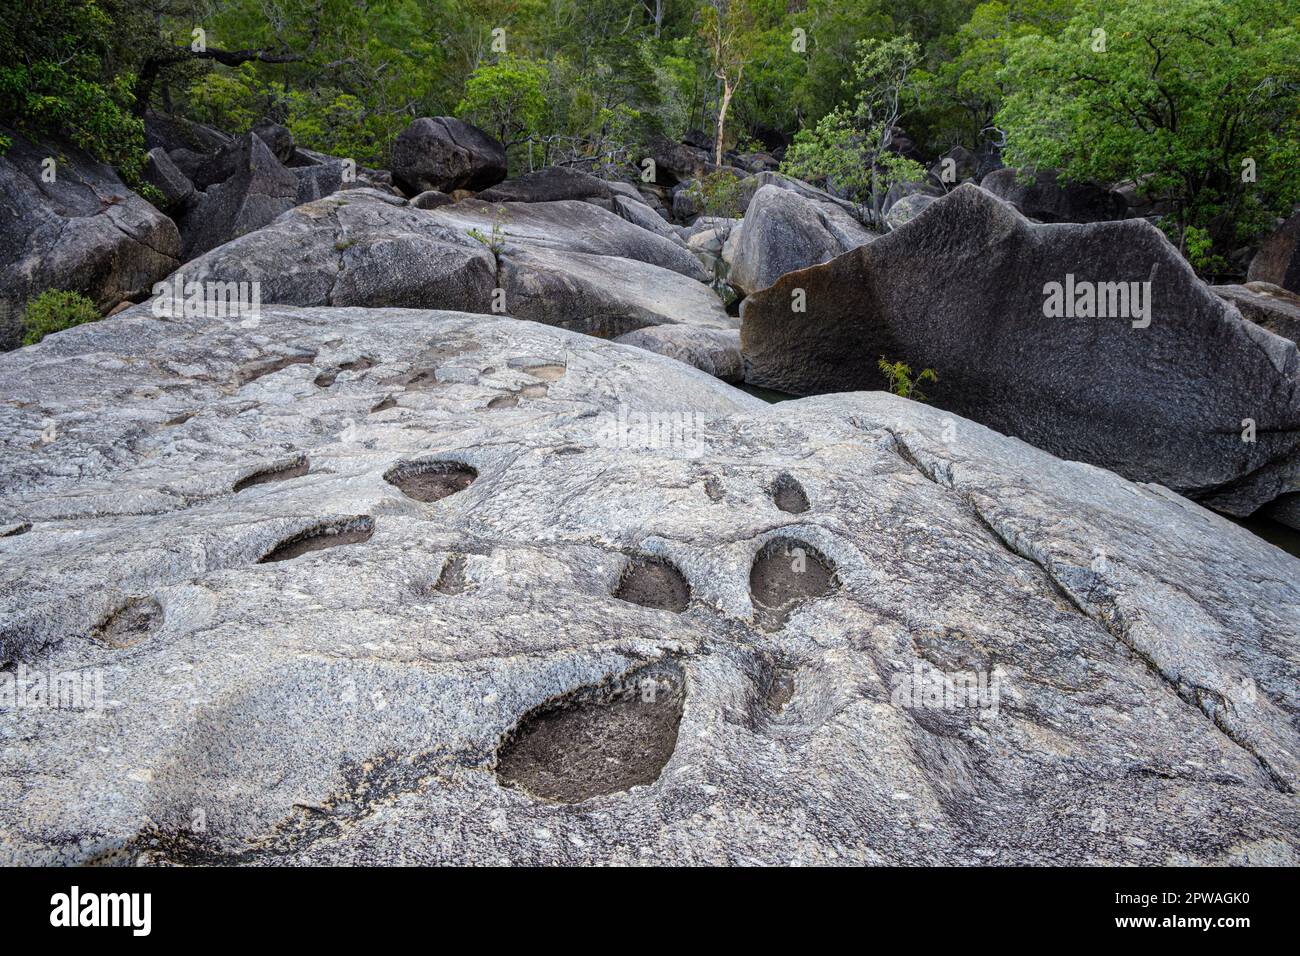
1096,342
446,154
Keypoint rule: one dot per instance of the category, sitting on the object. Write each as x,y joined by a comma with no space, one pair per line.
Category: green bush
720,194
59,76
55,310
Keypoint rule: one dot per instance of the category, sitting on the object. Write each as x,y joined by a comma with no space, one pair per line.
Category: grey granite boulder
548,185
168,132
640,214
430,199
360,246
278,139
907,208
1267,305
678,162
84,231
602,295
784,231
258,189
446,154
570,225
1278,258
1044,197
1171,392
379,586
159,171
958,165
712,350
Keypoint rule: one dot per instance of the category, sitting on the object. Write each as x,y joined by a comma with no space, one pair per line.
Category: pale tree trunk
727,91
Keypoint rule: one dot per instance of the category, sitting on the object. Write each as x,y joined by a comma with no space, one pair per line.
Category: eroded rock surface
446,154
464,684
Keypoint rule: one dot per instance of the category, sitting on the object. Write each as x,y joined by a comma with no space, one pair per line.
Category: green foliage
506,99
1185,91
849,147
720,194
496,242
55,310
901,383
1178,98
59,76
231,100
963,85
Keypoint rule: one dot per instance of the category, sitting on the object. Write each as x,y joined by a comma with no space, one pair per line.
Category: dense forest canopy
1195,101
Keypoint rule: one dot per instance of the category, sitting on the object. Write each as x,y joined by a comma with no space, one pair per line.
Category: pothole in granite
653,582
430,480
597,740
786,573
294,469
130,623
788,494
319,537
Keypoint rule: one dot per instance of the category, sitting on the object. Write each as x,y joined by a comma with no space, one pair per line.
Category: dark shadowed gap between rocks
430,480
597,740
1274,532
769,395
653,582
320,537
785,574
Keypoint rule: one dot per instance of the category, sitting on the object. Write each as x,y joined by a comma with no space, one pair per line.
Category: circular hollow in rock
786,573
329,535
430,480
653,582
597,740
788,494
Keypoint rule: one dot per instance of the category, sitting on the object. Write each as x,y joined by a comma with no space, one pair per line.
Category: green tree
506,98
66,71
964,86
851,147
1195,101
732,31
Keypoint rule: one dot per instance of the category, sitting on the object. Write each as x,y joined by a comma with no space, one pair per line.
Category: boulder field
68,222
1158,378
351,585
